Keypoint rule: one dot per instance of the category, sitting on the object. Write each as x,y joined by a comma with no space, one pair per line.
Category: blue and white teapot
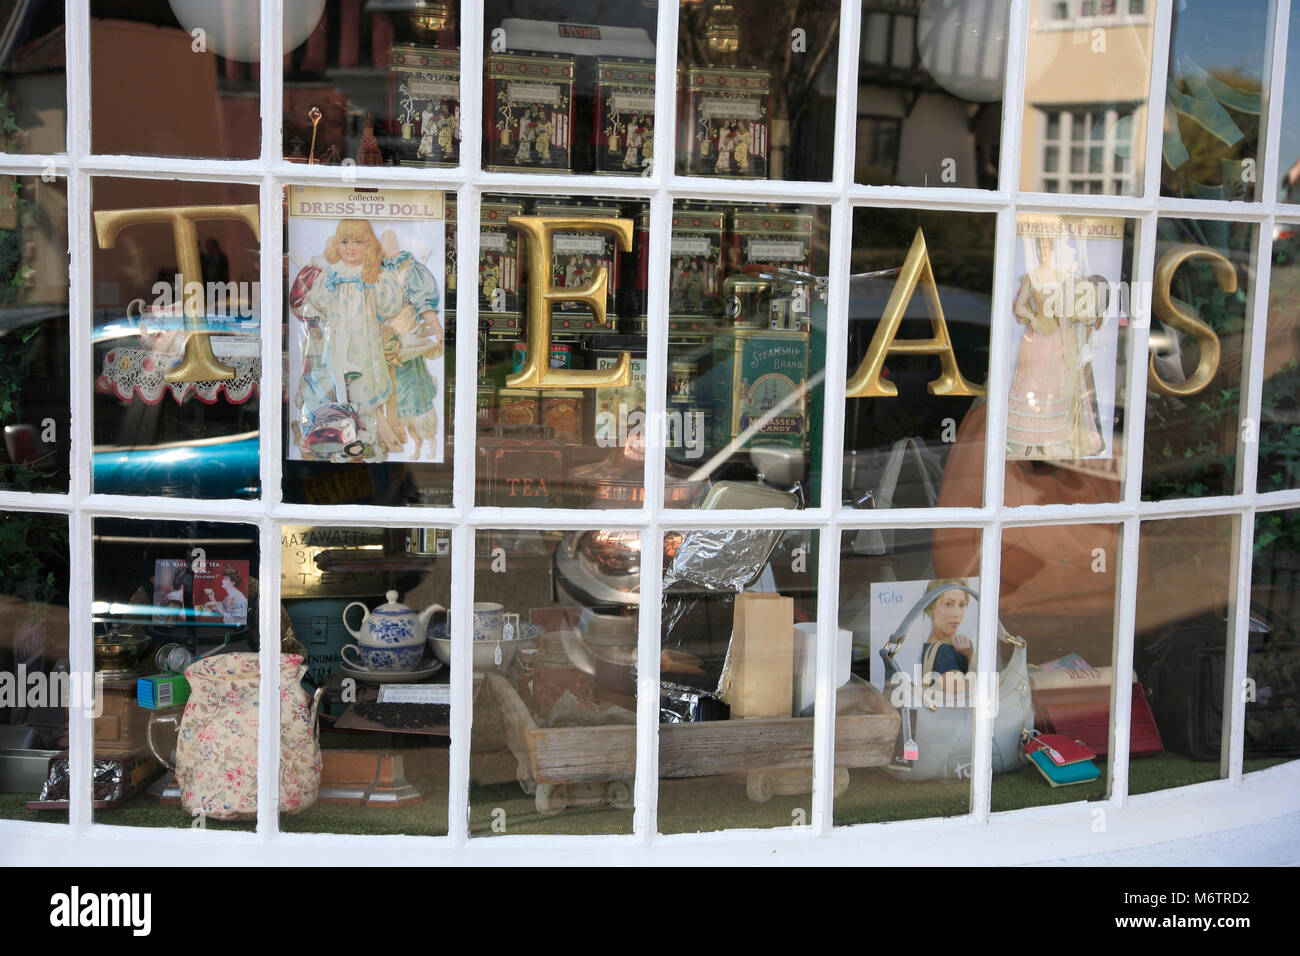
391,624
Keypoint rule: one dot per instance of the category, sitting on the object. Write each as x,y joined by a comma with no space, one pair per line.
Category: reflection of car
195,449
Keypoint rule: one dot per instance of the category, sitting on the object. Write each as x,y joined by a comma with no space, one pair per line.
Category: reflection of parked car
194,449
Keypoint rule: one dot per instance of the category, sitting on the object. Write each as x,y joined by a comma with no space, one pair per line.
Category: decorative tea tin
624,116
528,112
499,266
427,104
726,118
758,371
576,257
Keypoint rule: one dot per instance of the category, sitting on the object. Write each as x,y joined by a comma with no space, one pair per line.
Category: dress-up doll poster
1067,311
365,380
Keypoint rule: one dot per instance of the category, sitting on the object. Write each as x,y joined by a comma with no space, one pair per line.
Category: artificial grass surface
685,806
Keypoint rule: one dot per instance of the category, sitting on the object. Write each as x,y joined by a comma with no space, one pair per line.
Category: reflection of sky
1223,34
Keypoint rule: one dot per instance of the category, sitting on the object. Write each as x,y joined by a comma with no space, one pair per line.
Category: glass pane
737,680
33,78
35,678
34,397
746,341
176,623
554,650
375,83
1193,406
177,352
568,87
1059,590
1180,651
1068,359
757,89
1279,433
1288,180
1214,99
569,430
368,346
909,761
207,56
385,705
1272,732
946,94
911,420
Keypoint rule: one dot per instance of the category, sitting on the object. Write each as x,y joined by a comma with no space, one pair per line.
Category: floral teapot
391,624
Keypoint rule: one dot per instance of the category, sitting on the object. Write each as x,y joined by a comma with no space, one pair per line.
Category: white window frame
981,836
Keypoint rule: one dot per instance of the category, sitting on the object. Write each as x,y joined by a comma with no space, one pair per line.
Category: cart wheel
841,780
526,783
550,798
760,787
354,449
619,795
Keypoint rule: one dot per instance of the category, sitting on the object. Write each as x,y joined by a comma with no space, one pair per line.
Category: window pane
385,705
207,103
176,608
373,83
554,743
1279,438
1180,653
177,340
1064,608
737,672
757,88
1214,99
746,336
949,104
884,576
1193,411
568,431
369,347
34,397
1272,732
912,423
1068,354
33,78
34,663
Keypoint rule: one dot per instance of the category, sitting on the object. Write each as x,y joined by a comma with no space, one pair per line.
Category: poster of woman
1067,309
366,336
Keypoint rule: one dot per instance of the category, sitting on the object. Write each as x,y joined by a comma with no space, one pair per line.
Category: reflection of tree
766,42
1222,133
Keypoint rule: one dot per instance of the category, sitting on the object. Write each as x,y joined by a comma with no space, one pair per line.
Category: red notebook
1083,713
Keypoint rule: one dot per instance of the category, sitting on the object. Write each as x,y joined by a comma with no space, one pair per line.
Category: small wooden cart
586,766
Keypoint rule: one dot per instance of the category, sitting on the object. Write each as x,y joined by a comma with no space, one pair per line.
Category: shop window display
554,653
569,321
34,343
176,331
36,680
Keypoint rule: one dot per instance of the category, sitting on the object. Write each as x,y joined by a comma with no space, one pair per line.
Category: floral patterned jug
216,748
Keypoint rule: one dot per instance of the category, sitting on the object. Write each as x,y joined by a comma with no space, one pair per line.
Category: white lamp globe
232,28
963,46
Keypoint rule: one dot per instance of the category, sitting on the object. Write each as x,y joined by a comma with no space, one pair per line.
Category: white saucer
428,667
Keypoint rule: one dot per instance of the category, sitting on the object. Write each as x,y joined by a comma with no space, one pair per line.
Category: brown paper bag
760,663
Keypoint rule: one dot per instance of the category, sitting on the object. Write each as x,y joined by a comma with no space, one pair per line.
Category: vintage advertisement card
951,619
365,380
1068,304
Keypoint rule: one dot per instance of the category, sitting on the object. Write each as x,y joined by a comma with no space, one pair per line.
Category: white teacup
488,620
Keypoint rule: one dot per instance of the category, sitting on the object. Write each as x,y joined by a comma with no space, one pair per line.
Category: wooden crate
571,766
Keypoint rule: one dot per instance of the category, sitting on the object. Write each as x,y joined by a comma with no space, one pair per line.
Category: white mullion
246,171
81,430
1269,149
270,305
318,174
1273,500
151,507
822,818
1092,203
742,190
928,197
645,815
1153,145
464,535
981,782
1194,507
34,164
1232,210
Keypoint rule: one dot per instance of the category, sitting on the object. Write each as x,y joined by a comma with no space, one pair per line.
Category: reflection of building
1087,74
910,129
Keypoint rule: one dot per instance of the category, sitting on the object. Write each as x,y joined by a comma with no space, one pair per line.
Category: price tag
910,751
415,694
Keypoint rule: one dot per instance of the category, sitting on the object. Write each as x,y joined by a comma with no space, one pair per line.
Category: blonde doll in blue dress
407,301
